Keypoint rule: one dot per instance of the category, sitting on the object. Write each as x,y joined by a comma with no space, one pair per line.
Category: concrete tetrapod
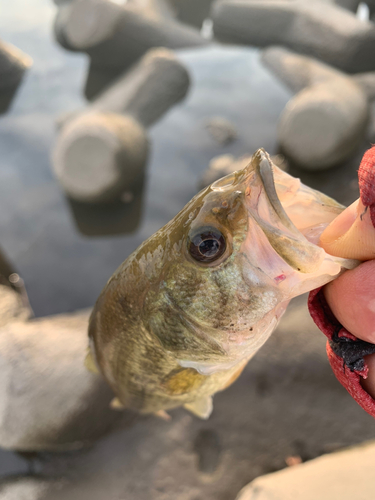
325,121
103,150
48,399
315,28
116,36
13,64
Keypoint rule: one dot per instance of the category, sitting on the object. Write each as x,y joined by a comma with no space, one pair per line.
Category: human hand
351,297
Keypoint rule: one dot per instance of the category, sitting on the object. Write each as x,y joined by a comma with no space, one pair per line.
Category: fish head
232,260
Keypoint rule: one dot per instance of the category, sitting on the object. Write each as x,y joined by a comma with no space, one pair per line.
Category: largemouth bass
181,317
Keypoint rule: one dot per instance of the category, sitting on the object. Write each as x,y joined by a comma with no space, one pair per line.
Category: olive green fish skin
168,330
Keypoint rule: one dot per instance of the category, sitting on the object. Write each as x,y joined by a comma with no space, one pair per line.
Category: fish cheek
177,332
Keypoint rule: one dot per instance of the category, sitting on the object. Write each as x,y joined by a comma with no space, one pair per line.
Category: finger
351,234
351,298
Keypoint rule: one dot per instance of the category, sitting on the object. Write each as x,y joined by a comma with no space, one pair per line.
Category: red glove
344,310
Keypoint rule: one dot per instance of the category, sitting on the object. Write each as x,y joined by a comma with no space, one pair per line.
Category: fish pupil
209,248
207,244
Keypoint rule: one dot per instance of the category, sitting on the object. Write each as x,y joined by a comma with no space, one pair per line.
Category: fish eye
207,244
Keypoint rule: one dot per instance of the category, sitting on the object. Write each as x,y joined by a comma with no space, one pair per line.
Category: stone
318,29
221,130
325,122
116,36
13,65
101,152
344,475
48,399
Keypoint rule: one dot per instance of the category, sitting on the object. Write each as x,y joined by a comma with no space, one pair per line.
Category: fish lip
262,167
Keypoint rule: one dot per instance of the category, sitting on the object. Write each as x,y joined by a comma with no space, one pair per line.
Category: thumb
351,235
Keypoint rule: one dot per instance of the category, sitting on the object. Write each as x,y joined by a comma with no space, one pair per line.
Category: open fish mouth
288,217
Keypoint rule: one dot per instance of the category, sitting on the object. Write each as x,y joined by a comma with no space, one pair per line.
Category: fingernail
340,225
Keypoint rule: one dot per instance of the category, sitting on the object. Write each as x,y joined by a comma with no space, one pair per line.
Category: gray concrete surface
346,475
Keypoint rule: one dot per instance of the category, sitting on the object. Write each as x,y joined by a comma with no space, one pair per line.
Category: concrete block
324,123
102,151
116,36
318,29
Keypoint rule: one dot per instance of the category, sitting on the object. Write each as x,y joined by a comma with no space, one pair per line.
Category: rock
345,475
221,130
48,399
100,153
315,28
116,36
13,64
325,122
